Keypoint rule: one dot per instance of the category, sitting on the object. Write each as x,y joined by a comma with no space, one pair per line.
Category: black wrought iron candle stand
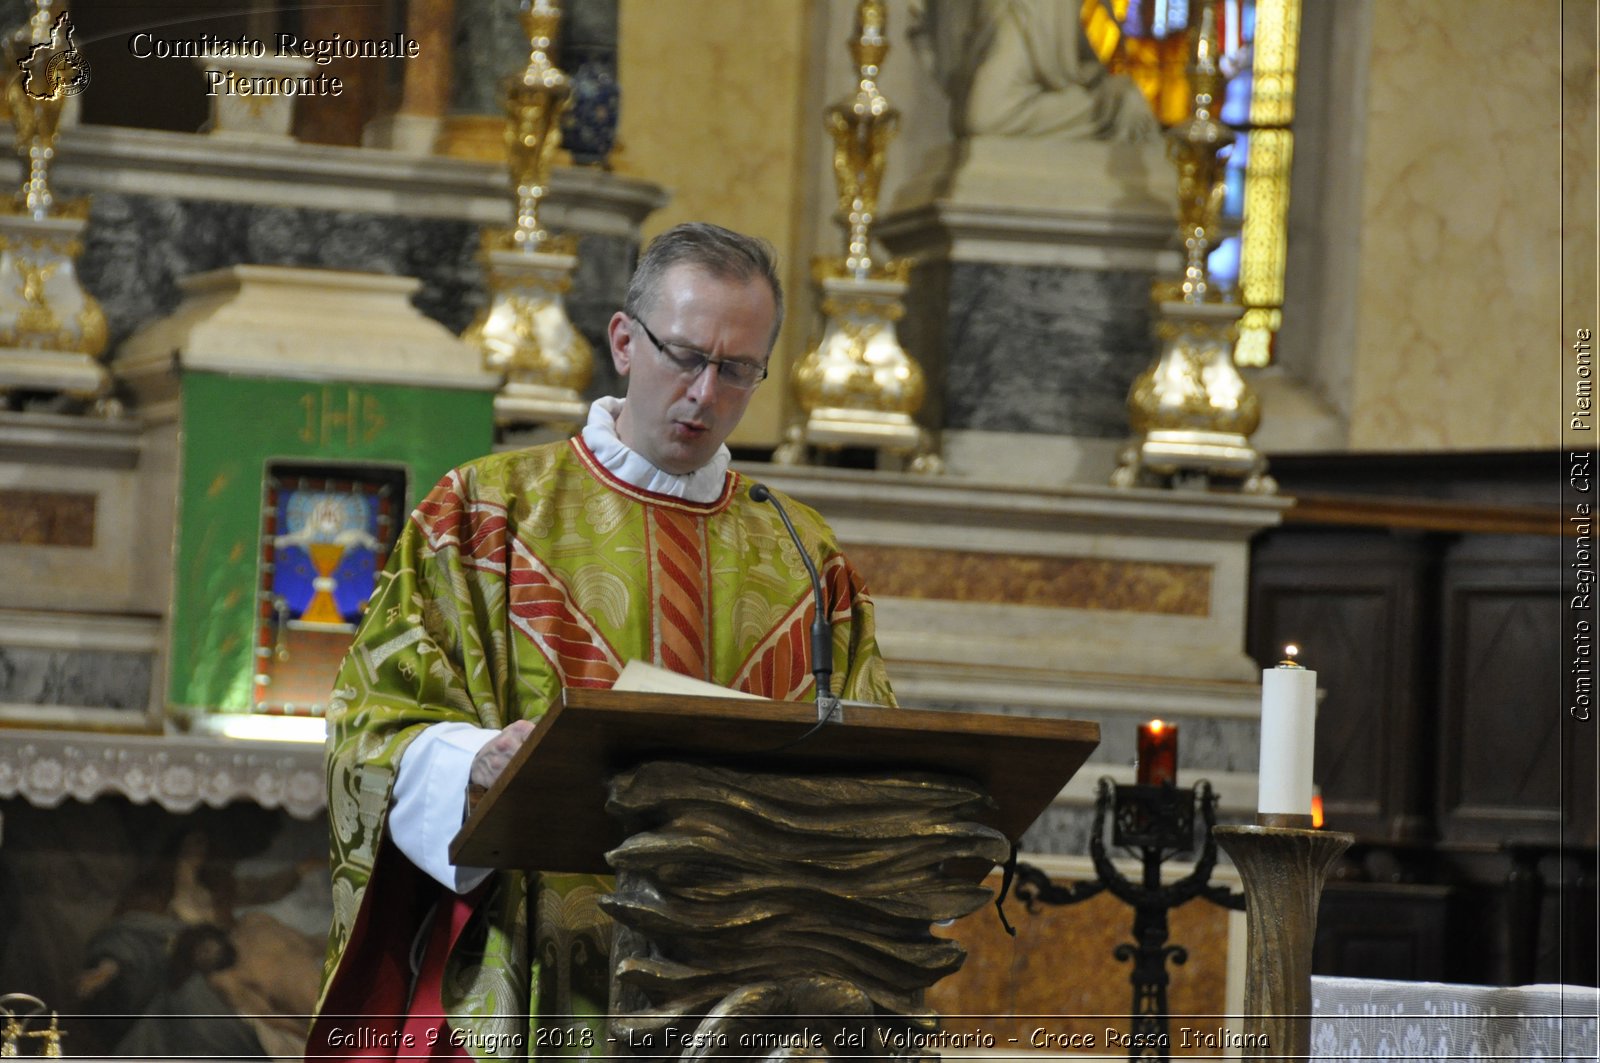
1157,823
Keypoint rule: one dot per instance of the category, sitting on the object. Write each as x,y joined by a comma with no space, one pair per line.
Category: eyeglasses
691,363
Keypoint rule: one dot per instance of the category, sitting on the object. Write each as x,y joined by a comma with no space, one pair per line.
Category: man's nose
703,386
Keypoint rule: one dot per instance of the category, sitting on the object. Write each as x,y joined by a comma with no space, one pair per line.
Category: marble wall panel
137,248
91,679
1042,349
714,107
47,518
1210,747
1205,743
1058,975
489,46
1029,579
1064,829
1460,288
1061,830
74,535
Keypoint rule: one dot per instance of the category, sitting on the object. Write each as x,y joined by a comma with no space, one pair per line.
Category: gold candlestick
1283,871
535,102
859,386
862,126
1195,146
525,331
1192,411
45,69
51,331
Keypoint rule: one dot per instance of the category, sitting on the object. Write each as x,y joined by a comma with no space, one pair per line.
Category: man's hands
492,759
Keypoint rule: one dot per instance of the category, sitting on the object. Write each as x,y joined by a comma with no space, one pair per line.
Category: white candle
1288,736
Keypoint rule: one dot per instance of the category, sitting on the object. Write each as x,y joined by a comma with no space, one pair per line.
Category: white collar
704,485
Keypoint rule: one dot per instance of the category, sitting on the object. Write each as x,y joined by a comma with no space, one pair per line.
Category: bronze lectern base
773,914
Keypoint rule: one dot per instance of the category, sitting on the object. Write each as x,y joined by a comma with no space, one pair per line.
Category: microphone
822,626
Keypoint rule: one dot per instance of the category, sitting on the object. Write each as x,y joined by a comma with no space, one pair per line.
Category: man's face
677,421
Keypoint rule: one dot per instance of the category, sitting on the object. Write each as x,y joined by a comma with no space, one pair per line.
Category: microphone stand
828,707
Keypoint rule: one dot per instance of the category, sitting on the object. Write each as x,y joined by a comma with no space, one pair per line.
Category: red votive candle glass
1158,753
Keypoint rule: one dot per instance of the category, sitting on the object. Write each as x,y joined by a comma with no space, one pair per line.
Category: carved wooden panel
1444,740
1384,930
1500,743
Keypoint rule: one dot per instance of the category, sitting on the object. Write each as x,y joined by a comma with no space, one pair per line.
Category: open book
644,678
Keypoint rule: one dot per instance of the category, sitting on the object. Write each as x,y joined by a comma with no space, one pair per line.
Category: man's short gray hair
722,253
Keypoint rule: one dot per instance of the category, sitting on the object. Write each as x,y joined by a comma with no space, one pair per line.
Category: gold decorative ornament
524,331
535,101
1192,410
52,332
17,1014
858,386
861,127
1195,146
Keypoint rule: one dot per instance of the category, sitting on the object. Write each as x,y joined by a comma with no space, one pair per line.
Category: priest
529,571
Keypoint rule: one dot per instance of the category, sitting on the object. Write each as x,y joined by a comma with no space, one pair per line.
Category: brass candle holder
524,331
1283,869
858,386
1192,411
52,332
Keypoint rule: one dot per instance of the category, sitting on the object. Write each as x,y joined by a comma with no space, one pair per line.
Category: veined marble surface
1039,349
489,47
1459,298
57,678
137,247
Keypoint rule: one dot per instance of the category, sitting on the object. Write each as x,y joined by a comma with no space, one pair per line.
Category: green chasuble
525,572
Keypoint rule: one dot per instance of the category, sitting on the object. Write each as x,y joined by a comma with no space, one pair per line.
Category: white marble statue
1024,68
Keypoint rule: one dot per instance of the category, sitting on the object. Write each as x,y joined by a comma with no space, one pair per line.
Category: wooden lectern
776,877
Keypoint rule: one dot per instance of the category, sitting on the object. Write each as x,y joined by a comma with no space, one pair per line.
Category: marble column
1029,305
425,87
340,119
489,46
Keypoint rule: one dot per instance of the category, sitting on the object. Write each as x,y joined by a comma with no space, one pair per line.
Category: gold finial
535,102
1195,145
862,126
1290,652
1204,73
44,70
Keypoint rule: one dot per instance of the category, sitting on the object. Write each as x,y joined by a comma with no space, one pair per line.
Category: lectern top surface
547,812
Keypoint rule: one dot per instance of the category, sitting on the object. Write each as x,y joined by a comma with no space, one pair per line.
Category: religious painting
326,533
182,936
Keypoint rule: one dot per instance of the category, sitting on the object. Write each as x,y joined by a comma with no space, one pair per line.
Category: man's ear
619,335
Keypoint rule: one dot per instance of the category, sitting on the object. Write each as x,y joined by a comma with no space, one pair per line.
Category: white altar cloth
1365,1018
